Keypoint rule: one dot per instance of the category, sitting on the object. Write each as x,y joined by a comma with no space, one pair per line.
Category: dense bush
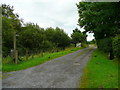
79,37
104,44
116,46
30,38
103,20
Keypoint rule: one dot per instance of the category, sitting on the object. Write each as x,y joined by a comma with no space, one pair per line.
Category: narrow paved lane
63,72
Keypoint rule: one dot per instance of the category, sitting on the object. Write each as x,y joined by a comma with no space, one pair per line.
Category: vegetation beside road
22,39
37,60
100,72
102,19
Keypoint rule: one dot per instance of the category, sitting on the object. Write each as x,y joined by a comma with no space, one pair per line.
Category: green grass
100,72
36,61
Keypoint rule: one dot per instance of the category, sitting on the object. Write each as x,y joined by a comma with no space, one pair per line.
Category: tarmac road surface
62,72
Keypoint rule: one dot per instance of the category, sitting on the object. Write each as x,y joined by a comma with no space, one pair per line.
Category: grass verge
100,72
36,61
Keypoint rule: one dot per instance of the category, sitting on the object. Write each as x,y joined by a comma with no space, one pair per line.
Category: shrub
116,46
105,44
84,45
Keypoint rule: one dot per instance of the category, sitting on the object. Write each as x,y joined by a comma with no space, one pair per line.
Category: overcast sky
48,13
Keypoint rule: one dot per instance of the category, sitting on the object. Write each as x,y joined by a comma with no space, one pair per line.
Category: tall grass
100,72
36,60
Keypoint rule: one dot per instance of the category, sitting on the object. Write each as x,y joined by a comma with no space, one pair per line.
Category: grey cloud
48,13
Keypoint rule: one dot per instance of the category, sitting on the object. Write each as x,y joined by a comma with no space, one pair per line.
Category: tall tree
78,37
101,18
11,25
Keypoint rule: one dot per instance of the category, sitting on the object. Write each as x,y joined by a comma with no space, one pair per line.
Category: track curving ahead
62,72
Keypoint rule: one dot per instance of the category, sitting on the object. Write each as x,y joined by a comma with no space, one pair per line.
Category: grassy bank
100,72
37,60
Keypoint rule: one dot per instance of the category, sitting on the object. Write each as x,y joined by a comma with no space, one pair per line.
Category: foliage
116,46
7,67
31,38
101,18
60,38
10,24
92,42
78,37
104,44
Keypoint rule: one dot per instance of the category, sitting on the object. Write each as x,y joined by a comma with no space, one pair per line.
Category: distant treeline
32,39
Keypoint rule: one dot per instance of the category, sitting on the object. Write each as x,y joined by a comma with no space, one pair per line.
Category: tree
78,37
93,41
30,38
116,46
58,37
11,25
7,34
33,37
102,19
61,38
